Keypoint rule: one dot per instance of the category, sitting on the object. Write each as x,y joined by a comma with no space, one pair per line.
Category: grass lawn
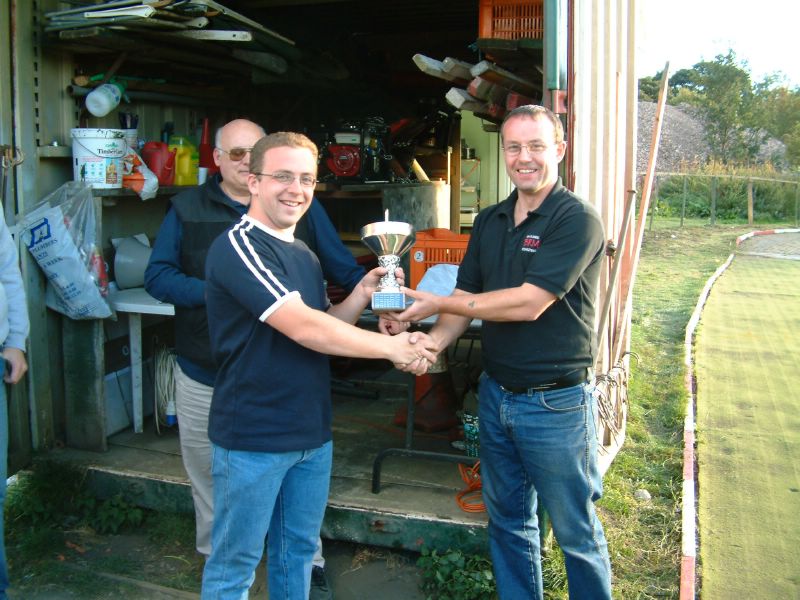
748,431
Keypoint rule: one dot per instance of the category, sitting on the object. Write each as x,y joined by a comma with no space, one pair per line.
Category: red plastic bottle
161,161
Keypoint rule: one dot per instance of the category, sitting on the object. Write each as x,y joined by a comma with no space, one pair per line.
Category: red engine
344,160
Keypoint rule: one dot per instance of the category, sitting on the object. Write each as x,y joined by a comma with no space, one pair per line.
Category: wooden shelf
54,151
168,190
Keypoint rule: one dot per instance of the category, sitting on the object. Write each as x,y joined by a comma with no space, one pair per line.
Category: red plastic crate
511,19
434,247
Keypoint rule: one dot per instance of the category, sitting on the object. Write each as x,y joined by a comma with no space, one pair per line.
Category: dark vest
202,221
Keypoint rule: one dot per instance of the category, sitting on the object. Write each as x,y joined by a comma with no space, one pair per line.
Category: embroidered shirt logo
531,243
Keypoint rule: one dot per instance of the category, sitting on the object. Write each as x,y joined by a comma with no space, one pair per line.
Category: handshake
410,352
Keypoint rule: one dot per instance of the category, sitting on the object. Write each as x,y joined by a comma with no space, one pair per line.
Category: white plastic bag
60,233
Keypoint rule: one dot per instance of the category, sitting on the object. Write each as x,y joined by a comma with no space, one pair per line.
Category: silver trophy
389,240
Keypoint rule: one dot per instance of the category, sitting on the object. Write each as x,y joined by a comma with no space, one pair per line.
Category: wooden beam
500,76
435,68
462,100
457,68
627,278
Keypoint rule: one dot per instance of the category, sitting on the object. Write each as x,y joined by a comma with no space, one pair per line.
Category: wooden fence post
685,193
749,201
713,201
654,203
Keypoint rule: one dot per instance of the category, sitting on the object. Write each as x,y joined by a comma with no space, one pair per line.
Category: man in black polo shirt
531,274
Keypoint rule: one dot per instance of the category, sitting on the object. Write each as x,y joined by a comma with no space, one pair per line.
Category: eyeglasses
236,154
532,147
286,178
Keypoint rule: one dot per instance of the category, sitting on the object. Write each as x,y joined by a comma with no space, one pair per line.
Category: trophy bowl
389,240
388,237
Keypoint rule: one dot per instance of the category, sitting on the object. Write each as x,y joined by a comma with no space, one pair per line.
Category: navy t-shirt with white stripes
271,394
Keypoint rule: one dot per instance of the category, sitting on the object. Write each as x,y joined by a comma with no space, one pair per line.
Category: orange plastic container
511,19
433,247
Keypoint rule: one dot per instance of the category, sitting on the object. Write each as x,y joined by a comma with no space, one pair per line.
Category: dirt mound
683,139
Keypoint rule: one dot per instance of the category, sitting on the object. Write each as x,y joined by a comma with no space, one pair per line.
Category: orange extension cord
470,499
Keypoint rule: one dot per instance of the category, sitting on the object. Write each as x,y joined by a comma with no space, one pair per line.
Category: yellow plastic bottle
187,160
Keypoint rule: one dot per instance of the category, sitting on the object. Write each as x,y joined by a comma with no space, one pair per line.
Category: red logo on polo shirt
531,243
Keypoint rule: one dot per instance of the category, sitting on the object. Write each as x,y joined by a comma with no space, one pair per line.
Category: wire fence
723,198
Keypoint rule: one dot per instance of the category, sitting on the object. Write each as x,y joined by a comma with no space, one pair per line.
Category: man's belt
570,380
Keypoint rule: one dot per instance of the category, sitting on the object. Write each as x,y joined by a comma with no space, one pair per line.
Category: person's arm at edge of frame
164,278
18,322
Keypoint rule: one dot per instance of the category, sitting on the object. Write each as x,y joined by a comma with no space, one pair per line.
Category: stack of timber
485,88
184,34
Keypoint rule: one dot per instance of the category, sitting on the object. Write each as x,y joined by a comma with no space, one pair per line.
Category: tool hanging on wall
11,157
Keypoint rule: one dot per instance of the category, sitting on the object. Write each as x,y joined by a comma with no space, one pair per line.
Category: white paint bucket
97,156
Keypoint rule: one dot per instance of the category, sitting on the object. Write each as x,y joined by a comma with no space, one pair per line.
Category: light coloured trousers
192,405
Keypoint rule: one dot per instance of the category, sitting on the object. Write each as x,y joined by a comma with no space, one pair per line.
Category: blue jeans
283,493
3,477
542,447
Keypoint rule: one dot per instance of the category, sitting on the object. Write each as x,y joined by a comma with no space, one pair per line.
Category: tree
648,88
779,107
792,141
727,103
738,114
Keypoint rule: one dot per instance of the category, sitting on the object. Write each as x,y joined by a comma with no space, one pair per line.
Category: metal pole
653,205
713,201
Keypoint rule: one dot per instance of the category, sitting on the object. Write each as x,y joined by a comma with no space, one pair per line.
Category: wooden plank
461,100
457,68
212,35
483,89
435,68
628,275
239,18
500,76
84,388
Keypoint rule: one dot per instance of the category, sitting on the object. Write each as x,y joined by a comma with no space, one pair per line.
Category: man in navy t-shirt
272,328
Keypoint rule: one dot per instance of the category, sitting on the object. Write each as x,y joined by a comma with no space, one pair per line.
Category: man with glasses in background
176,274
531,273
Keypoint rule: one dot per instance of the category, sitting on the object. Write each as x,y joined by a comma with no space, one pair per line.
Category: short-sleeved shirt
559,248
271,394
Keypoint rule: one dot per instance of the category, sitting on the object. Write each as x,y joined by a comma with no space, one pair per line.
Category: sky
685,32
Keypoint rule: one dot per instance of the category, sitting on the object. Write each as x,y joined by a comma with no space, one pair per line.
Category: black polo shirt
558,247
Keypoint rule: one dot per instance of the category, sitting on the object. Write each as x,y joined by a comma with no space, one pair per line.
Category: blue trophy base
388,302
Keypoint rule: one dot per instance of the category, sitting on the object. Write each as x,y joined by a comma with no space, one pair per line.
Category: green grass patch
59,537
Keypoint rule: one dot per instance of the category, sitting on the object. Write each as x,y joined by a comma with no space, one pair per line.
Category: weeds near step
453,575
